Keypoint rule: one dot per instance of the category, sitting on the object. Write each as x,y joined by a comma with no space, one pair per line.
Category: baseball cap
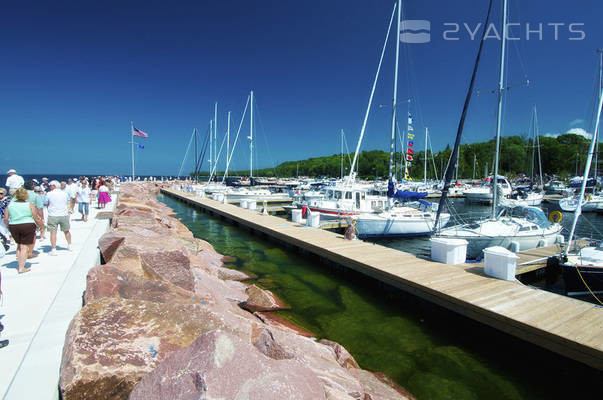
11,171
54,183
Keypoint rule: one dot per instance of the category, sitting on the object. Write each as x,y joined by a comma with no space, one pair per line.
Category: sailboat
583,269
516,228
404,213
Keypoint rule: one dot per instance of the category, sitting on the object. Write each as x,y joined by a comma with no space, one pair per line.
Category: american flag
138,132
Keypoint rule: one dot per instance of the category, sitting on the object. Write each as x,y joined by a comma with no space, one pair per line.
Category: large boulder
261,300
173,266
111,281
221,366
112,342
108,244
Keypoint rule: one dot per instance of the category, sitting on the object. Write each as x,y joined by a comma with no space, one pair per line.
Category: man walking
72,191
58,215
13,182
83,198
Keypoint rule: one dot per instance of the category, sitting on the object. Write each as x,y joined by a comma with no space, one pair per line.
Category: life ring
587,197
556,217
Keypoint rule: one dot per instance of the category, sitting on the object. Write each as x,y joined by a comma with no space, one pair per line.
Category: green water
433,353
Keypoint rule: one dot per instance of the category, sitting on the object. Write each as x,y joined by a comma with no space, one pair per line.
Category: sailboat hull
574,284
507,235
376,226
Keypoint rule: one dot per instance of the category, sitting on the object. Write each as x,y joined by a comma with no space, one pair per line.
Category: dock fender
304,211
514,247
559,239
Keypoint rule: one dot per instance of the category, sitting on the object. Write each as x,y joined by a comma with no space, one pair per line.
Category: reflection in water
433,353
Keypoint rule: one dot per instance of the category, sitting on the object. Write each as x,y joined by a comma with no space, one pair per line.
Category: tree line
563,156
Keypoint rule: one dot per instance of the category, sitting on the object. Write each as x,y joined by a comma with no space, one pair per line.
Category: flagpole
132,143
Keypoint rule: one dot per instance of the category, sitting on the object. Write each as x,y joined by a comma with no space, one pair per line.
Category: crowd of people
29,209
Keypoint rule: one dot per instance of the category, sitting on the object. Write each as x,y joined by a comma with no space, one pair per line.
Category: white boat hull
491,233
380,226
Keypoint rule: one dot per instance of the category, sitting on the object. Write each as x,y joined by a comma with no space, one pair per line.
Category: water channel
432,352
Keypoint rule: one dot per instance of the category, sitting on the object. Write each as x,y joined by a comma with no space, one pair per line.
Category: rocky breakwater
164,319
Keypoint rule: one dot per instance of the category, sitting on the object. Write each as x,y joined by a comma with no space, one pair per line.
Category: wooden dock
561,324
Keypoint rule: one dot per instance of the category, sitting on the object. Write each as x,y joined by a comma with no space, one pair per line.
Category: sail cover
403,195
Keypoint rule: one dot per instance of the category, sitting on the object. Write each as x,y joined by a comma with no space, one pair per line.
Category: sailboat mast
216,136
600,52
394,99
355,165
533,144
425,165
341,154
227,143
585,177
251,138
501,79
196,179
211,145
538,147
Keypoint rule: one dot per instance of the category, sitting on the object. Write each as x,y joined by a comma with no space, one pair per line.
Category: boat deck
566,326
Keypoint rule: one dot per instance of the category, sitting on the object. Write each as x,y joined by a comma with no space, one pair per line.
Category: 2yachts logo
419,31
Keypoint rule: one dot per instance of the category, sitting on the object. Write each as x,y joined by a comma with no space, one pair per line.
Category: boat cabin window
337,194
348,195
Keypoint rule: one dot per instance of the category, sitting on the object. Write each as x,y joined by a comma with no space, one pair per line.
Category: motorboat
483,193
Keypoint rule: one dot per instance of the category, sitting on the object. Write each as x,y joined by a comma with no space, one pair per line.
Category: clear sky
74,73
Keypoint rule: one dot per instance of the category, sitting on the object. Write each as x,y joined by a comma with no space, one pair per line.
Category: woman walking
22,218
103,195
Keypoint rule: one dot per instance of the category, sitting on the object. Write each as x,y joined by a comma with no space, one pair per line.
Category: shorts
23,233
84,208
54,222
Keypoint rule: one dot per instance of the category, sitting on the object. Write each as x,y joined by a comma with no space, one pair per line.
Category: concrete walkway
38,306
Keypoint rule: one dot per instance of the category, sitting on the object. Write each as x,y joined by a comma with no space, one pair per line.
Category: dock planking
560,324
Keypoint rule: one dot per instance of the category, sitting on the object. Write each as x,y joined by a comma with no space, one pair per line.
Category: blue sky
74,74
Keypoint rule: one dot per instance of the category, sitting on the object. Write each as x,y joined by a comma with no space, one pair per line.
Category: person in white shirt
13,182
72,191
83,199
58,215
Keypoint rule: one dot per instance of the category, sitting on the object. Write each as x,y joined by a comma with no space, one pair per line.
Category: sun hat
45,179
11,171
54,183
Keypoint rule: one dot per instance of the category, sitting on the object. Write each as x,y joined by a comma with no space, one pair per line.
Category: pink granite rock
111,281
172,266
108,244
343,357
266,344
220,366
112,342
261,300
231,274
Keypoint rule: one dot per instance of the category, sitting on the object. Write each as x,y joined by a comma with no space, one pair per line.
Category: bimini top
532,214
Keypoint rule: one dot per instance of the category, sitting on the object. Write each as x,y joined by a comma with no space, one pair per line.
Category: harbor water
433,353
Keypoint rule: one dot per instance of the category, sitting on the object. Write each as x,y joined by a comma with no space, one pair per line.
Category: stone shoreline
165,319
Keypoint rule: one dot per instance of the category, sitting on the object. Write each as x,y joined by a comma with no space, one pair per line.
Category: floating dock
560,324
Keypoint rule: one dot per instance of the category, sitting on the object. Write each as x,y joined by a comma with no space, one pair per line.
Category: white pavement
38,306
